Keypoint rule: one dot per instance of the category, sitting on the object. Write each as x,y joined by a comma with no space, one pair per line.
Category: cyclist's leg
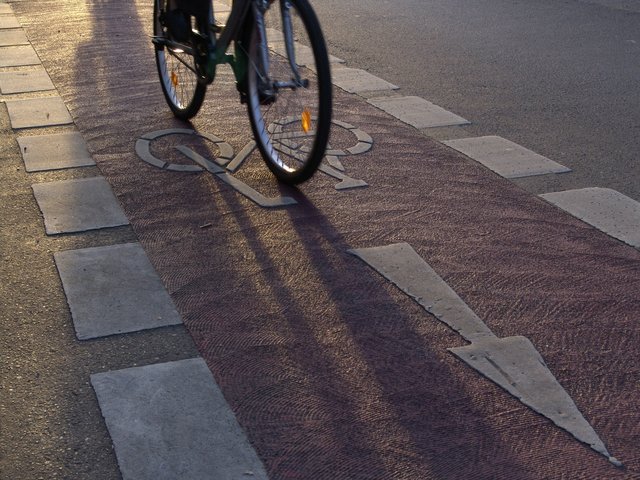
179,14
178,22
204,40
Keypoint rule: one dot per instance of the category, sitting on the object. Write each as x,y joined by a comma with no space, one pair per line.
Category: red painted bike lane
332,371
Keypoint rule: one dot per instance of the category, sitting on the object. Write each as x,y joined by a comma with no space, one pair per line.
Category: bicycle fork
259,9
287,30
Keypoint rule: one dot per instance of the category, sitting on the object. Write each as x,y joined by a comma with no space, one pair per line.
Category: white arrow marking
513,363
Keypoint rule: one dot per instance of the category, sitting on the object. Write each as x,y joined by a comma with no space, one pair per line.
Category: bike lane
331,371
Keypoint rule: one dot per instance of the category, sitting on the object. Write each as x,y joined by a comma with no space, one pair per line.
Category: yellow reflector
306,120
174,79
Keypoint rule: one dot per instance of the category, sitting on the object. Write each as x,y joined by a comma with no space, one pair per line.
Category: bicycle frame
233,31
234,28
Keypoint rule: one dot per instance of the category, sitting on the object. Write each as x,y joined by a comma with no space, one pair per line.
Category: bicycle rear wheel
290,119
177,70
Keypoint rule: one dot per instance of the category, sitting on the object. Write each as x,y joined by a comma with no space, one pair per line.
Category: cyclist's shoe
178,24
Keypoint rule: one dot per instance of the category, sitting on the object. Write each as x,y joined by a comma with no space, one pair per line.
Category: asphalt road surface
558,77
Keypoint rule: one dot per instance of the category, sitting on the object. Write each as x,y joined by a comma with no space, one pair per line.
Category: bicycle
281,68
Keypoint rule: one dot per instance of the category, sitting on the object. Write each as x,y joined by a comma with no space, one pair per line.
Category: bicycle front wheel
289,98
177,69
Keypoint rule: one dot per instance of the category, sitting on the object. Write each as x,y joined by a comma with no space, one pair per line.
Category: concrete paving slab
54,152
354,80
417,112
304,55
170,421
78,205
25,81
38,112
18,56
5,9
608,210
506,158
112,290
9,21
14,36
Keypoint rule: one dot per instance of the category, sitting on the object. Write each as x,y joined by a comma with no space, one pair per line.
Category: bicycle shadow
378,399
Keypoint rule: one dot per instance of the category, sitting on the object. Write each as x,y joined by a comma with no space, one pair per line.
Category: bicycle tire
181,87
292,128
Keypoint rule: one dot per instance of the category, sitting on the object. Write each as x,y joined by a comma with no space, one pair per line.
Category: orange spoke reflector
174,79
306,120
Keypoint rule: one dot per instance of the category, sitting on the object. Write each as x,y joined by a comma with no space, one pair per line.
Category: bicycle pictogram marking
226,163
